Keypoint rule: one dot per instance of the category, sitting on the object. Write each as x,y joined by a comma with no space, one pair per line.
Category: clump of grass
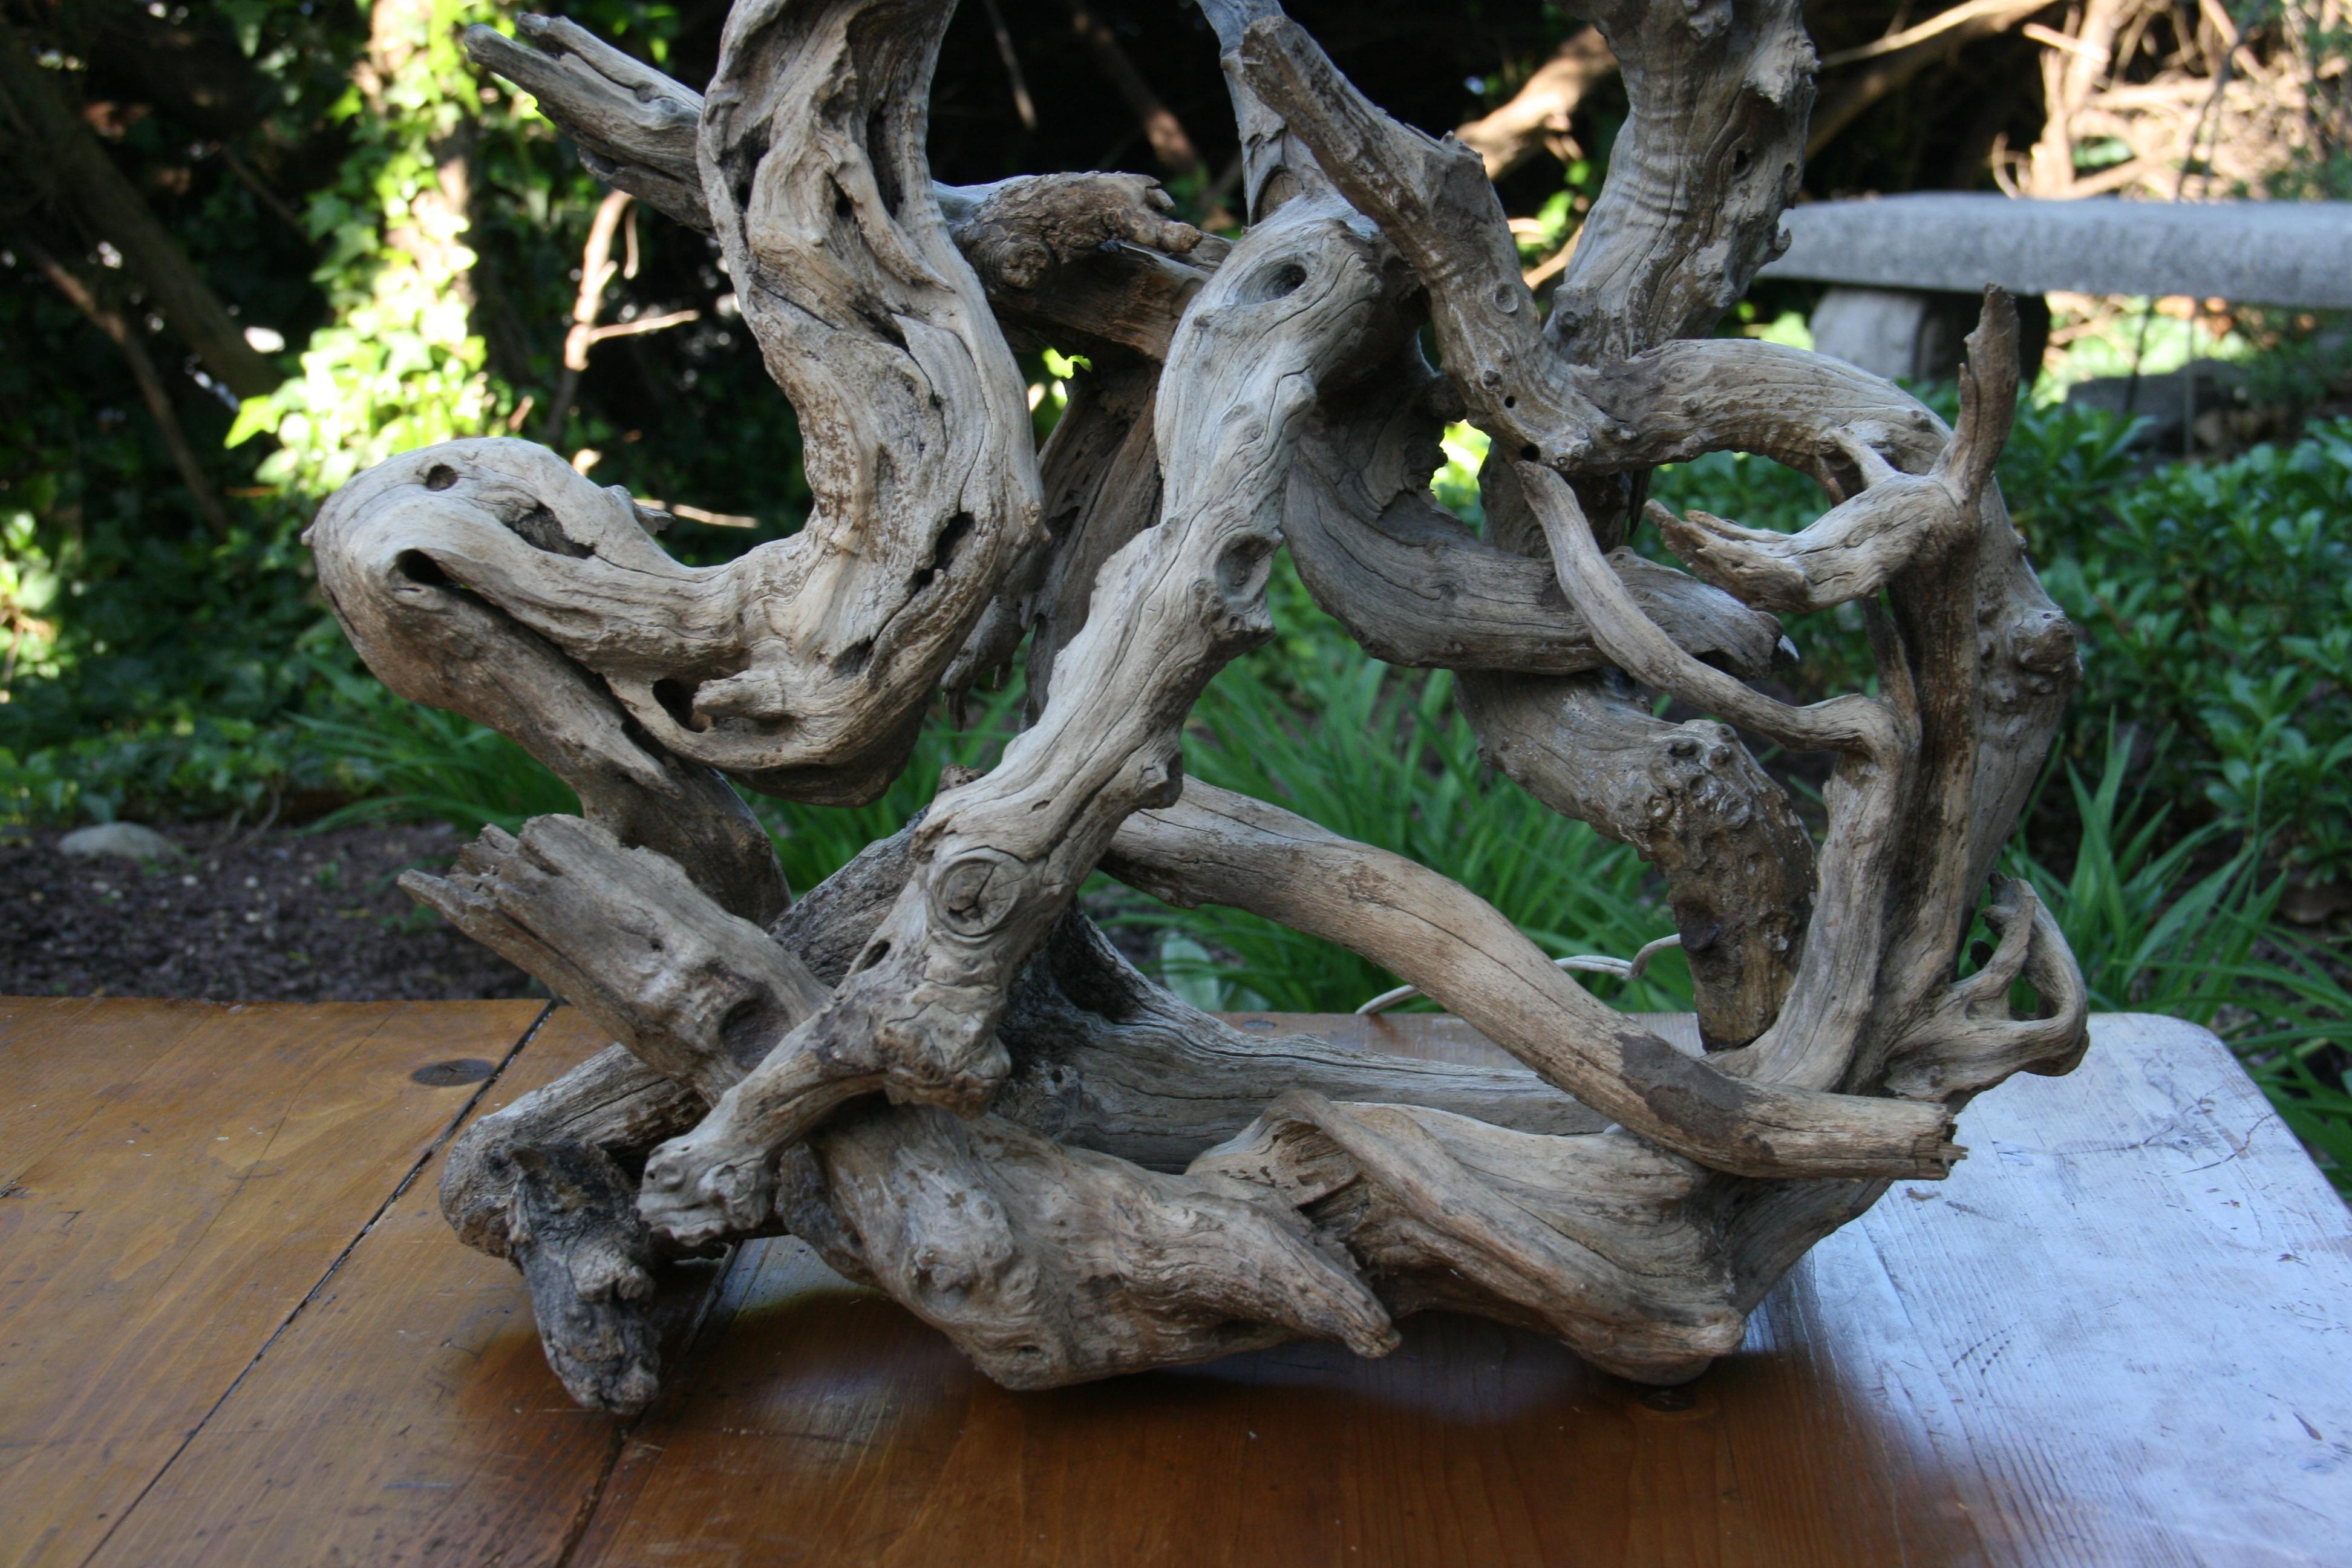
1382,756
2161,927
815,841
421,763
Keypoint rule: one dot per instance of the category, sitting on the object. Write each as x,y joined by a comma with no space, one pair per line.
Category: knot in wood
978,892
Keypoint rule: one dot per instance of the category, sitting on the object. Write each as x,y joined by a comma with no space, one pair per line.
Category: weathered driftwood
932,1068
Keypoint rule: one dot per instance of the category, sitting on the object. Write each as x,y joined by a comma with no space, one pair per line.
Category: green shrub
2218,603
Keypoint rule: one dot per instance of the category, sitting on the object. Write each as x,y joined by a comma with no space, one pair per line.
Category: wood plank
187,1174
407,1416
77,1047
2120,1326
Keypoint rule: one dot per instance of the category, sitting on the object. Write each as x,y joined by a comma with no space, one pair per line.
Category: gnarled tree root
933,1067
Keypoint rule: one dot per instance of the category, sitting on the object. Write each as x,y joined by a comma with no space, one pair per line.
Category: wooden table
233,1330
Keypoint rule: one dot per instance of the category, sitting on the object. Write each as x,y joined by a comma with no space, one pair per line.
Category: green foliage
398,366
814,841
151,666
2216,600
409,763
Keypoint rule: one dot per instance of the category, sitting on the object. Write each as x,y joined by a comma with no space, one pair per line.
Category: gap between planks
408,1178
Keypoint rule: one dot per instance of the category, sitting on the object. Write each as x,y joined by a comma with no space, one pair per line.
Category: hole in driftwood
419,567
746,1032
440,476
738,164
942,553
540,529
878,154
676,699
1277,281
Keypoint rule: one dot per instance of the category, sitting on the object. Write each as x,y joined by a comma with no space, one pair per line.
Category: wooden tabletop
233,1330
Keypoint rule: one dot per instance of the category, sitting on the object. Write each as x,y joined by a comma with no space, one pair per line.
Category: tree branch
73,171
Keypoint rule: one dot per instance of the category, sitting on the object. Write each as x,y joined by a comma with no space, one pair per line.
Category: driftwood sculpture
932,1068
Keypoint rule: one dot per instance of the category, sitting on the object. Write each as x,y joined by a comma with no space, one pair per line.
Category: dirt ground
240,916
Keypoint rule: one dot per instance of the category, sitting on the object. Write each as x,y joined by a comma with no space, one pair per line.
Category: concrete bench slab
2267,253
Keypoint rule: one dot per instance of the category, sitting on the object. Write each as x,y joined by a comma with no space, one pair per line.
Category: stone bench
1907,270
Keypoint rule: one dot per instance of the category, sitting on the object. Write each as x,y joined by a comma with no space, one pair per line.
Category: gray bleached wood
933,1067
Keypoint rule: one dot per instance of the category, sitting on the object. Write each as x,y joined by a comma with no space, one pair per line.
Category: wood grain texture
2164,1388
178,1179
407,1416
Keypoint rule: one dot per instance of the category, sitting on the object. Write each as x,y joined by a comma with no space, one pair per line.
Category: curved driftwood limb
397,550
1816,1034
1086,256
1104,1060
1635,644
801,667
699,995
913,418
1737,862
1087,260
997,859
1898,523
634,127
1717,94
589,1272
1586,1238
1432,200
539,1184
1723,87
1102,488
1416,588
1214,847
1970,1041
1833,997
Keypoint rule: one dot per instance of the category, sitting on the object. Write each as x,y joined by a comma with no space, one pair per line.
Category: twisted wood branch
931,1067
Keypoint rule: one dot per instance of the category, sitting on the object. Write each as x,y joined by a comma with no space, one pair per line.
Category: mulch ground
240,916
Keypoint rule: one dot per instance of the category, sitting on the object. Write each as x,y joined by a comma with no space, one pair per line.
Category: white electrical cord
1591,964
